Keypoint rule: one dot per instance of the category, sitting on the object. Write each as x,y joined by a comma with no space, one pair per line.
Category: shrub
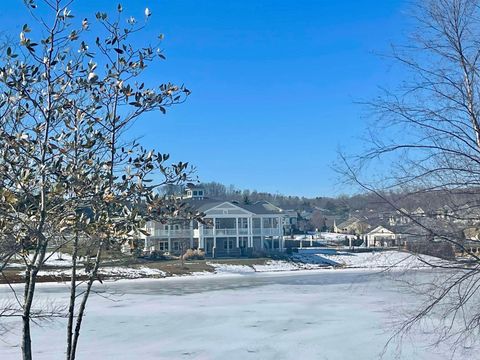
194,254
256,253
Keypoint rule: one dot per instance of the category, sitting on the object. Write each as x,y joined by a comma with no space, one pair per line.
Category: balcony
219,232
242,232
267,231
226,232
182,233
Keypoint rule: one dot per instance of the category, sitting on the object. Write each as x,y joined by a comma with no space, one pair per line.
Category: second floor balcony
243,232
178,233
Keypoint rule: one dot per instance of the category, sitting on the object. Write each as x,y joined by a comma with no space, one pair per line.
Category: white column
261,233
201,239
214,236
280,237
169,239
238,240
191,233
250,231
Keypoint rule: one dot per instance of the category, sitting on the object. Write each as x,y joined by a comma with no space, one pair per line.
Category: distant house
352,225
418,212
381,236
195,192
399,217
445,212
290,221
231,229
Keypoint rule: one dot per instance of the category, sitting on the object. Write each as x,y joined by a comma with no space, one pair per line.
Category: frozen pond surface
308,315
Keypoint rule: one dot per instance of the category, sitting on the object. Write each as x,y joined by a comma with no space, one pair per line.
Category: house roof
194,186
381,229
262,208
202,205
259,208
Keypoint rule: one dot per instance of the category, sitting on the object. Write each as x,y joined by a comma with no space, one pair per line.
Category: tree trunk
73,288
26,336
81,310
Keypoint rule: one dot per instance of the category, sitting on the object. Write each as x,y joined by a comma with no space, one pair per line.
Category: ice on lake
305,315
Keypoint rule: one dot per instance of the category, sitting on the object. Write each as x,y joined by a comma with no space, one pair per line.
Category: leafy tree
67,174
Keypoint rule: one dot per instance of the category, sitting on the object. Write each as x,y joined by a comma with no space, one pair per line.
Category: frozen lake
304,315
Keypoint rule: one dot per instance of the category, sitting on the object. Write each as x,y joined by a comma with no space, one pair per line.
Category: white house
232,229
380,236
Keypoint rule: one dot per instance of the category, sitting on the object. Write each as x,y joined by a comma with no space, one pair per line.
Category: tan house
353,226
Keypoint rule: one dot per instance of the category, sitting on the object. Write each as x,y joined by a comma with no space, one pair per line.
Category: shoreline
233,275
234,267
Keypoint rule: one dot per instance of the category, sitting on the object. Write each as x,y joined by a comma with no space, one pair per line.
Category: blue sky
273,83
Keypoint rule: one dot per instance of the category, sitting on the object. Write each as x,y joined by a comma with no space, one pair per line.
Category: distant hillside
343,205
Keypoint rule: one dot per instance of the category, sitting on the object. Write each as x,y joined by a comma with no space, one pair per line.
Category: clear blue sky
273,83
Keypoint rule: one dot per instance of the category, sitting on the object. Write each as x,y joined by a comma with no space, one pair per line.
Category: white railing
242,232
172,233
207,232
220,232
267,231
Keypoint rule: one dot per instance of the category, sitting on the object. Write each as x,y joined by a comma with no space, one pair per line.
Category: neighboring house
418,212
231,229
352,225
381,236
195,192
445,212
399,217
290,221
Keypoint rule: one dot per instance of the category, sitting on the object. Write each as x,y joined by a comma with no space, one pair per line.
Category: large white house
232,229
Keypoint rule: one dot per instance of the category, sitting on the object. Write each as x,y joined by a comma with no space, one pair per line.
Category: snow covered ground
57,259
395,260
384,259
113,271
294,315
306,260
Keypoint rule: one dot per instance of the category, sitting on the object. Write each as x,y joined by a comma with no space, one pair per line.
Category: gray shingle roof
259,208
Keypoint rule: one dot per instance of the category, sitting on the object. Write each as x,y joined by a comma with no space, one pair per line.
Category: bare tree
425,143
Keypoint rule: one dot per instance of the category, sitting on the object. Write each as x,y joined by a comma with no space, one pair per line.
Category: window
200,193
243,223
228,244
163,246
195,193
